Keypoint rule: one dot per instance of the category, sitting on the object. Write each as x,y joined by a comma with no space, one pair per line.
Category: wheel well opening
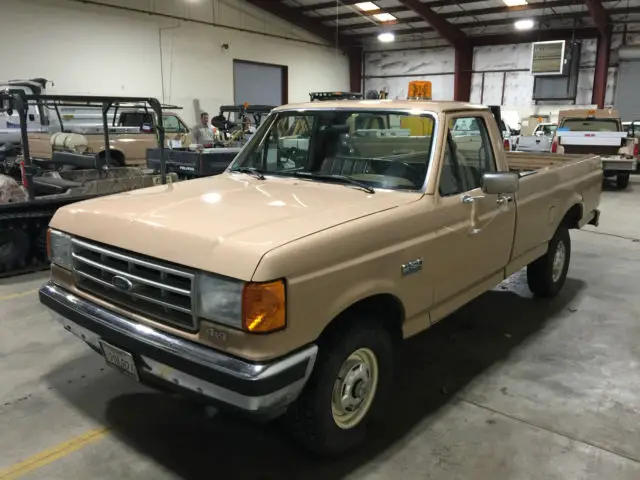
386,309
573,216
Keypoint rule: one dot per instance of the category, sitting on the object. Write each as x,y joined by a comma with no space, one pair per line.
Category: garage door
258,84
627,98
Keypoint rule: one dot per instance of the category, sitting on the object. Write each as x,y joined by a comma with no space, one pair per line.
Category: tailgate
604,139
197,164
534,144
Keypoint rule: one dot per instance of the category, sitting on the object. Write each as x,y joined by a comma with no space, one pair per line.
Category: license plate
119,359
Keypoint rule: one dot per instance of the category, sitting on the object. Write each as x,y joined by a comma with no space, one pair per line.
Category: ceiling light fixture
525,24
515,3
384,17
386,37
367,6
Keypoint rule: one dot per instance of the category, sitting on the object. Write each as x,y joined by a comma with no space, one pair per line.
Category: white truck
10,124
539,141
598,132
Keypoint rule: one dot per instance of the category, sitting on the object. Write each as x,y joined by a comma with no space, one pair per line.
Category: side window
471,150
171,124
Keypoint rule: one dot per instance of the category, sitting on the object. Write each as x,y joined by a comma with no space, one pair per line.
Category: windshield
591,125
375,148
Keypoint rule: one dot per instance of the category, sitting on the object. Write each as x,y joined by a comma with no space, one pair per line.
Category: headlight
220,300
254,307
59,248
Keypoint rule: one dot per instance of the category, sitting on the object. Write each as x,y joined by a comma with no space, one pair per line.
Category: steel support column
355,69
462,73
602,68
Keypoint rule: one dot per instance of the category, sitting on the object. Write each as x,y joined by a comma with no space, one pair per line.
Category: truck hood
222,224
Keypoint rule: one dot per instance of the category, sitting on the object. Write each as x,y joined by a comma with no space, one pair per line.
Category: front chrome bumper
182,364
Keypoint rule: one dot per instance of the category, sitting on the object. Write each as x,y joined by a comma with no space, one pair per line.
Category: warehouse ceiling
353,23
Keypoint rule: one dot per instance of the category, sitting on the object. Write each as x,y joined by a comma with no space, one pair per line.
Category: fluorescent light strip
386,37
367,6
384,17
515,3
524,24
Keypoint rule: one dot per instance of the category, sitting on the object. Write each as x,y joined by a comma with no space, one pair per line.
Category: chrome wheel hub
559,258
354,389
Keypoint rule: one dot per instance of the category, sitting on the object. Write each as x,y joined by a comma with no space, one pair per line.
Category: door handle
503,200
469,199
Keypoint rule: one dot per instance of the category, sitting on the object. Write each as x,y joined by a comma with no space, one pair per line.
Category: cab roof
420,105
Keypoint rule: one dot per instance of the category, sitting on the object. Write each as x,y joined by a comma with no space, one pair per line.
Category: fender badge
413,266
216,335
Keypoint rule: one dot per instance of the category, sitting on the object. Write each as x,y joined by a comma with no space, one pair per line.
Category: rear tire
547,274
622,180
347,390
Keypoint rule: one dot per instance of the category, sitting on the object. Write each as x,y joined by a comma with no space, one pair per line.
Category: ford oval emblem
122,283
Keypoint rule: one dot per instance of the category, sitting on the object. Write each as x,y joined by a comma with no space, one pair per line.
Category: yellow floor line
52,454
18,295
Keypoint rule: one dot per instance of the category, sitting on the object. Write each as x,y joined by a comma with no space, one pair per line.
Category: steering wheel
413,168
294,154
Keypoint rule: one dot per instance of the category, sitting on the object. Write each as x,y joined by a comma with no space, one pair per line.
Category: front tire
547,274
622,181
347,390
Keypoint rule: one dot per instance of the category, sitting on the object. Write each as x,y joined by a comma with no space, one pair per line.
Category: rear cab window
590,125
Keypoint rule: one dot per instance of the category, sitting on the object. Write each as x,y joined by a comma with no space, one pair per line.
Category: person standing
202,133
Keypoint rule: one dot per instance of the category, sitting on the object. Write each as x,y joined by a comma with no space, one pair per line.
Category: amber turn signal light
264,307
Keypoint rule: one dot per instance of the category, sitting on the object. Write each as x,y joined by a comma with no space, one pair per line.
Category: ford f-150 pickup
284,285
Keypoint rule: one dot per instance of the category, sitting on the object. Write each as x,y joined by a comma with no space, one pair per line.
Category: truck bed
528,162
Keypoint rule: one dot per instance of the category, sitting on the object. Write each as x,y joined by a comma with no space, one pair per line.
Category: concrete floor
507,388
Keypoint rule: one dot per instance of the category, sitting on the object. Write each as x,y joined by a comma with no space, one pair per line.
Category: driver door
477,237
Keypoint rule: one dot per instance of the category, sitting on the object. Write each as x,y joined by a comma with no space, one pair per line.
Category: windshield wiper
336,178
250,171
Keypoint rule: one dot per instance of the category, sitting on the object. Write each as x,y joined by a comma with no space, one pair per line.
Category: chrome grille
148,287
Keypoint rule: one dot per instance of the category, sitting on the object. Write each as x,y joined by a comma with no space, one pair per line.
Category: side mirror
501,182
539,133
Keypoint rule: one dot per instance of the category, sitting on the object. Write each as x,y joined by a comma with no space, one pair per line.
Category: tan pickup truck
128,137
285,284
